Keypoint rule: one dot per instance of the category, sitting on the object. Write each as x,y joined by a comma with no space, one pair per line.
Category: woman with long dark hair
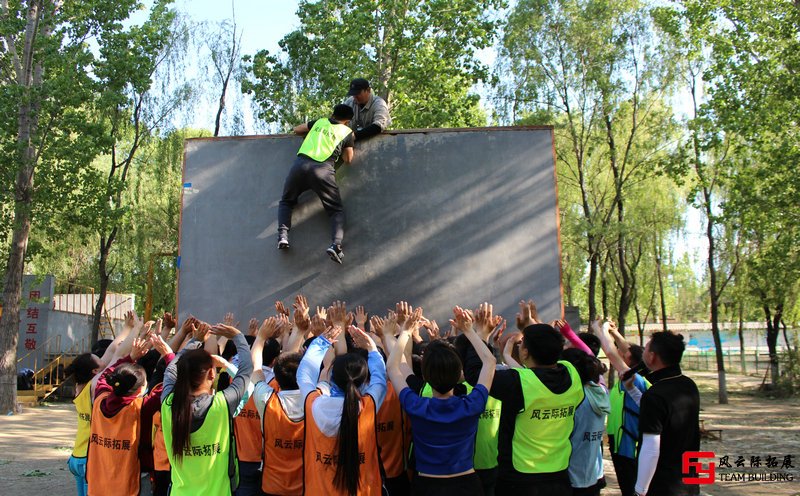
197,421
340,452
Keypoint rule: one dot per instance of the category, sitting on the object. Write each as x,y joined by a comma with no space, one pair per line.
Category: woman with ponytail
197,421
340,453
113,465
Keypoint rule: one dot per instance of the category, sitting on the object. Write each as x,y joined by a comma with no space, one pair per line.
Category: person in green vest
198,421
537,416
326,140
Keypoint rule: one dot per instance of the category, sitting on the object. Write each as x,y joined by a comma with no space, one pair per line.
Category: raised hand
390,325
169,321
462,320
158,344
402,312
361,339
200,331
268,328
301,320
497,333
140,348
130,318
338,314
229,320
528,315
225,331
281,309
331,333
485,321
361,317
432,327
376,324
322,312
284,325
252,327
317,325
301,304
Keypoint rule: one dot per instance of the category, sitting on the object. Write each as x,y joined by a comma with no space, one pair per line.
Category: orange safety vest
113,463
160,458
319,453
283,451
247,430
393,430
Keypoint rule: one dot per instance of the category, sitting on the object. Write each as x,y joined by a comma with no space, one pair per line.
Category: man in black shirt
668,420
326,140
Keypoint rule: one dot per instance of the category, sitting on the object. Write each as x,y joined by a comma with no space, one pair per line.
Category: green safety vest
542,430
488,426
322,140
209,465
616,419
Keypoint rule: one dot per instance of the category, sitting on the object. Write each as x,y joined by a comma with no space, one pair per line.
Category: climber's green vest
209,465
488,426
541,434
322,140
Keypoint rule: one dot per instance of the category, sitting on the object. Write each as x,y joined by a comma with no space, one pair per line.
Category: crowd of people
341,403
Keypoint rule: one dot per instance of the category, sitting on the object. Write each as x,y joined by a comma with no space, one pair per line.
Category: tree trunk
742,359
29,75
592,284
714,297
661,287
103,274
773,323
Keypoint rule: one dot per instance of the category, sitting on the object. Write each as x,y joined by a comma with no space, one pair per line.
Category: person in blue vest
326,140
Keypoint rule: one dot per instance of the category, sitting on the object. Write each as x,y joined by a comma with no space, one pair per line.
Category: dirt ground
35,445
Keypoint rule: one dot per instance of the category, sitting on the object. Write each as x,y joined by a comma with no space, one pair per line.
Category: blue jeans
77,466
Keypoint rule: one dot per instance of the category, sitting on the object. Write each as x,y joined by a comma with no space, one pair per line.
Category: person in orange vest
197,421
280,405
444,427
340,454
113,460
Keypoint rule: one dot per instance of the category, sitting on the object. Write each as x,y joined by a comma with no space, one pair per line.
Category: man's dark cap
342,112
357,85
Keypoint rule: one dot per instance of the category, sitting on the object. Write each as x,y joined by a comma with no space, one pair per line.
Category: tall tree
599,64
133,108
418,55
47,72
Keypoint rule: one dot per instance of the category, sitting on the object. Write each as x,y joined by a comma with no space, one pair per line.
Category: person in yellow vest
88,369
537,416
113,465
326,140
443,427
340,454
84,367
197,421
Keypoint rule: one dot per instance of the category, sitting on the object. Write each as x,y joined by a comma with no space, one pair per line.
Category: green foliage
418,55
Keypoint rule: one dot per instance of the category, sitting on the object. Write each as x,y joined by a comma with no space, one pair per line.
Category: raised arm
566,331
608,348
463,321
377,369
238,387
308,370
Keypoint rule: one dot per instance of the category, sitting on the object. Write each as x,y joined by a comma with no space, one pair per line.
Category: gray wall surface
437,218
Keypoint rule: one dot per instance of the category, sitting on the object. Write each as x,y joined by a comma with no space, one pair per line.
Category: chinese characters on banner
37,298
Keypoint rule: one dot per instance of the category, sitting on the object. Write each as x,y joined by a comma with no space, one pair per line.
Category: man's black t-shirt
345,143
671,408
